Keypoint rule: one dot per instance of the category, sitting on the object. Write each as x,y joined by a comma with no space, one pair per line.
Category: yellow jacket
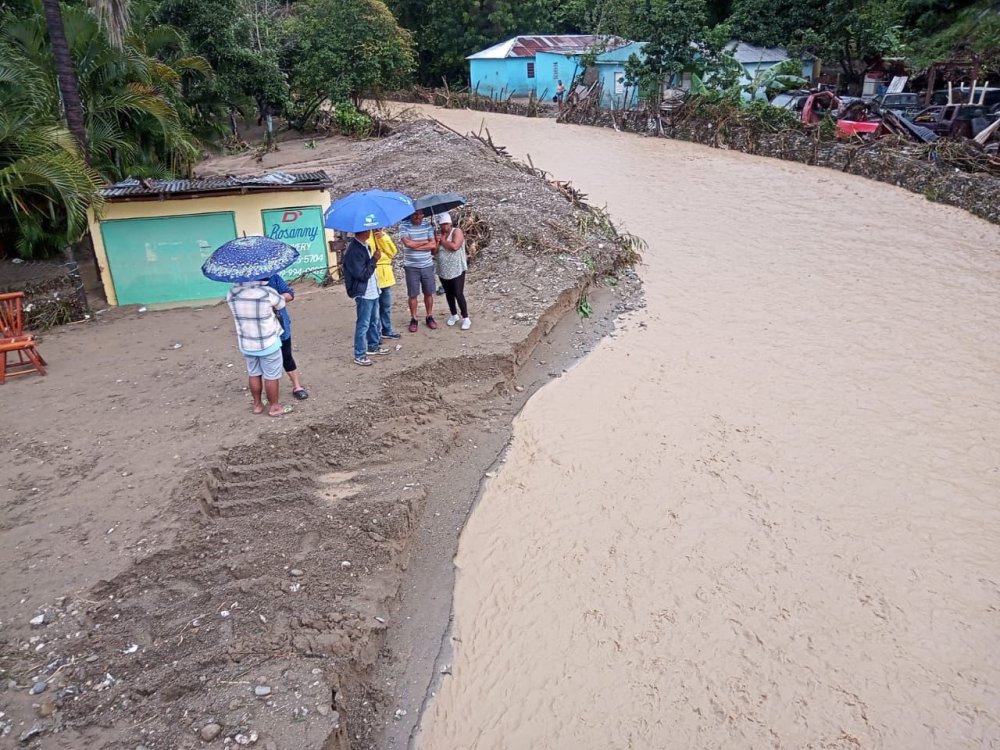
383,269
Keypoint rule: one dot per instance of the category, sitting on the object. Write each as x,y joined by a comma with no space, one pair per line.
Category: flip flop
286,409
300,394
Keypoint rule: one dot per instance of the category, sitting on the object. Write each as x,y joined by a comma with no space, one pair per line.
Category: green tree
855,34
774,23
447,31
135,120
677,41
242,41
344,50
45,184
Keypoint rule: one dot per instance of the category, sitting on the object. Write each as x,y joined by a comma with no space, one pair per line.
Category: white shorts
268,365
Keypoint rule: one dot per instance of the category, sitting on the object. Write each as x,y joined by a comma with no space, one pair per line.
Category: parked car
960,95
792,100
954,120
902,104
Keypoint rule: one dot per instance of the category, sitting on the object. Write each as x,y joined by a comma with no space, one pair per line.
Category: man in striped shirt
419,246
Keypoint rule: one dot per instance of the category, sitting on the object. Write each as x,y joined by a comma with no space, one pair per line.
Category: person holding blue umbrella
361,213
248,262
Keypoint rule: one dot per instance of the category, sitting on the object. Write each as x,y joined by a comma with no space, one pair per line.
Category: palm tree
65,73
112,15
45,185
135,121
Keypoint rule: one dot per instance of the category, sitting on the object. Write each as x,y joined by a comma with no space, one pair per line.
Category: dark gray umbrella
438,203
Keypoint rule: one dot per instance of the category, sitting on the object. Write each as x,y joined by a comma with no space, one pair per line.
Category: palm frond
113,18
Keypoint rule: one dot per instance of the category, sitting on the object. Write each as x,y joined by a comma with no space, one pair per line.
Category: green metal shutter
159,259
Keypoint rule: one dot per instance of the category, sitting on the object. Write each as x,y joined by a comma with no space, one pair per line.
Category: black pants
454,291
287,360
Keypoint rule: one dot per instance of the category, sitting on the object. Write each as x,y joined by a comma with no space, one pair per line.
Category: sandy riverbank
157,524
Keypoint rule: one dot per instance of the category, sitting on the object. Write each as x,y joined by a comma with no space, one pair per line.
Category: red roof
529,46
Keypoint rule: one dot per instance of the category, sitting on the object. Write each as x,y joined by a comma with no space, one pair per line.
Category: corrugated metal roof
529,46
751,53
273,181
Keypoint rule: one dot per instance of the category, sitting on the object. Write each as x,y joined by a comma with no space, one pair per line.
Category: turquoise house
617,94
512,68
552,67
756,59
610,65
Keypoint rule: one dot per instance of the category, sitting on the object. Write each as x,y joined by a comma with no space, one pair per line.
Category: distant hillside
940,28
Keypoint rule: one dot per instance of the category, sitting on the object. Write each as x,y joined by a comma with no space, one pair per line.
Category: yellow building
153,236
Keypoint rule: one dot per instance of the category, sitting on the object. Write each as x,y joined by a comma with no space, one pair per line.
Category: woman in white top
452,264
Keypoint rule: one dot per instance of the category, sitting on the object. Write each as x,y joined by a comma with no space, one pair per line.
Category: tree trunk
66,75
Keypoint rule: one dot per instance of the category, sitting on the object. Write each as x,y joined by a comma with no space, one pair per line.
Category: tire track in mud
282,579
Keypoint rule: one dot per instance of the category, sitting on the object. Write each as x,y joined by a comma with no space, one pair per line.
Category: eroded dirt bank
765,515
206,577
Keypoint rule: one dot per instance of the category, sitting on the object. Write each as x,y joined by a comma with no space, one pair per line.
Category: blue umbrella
249,259
368,209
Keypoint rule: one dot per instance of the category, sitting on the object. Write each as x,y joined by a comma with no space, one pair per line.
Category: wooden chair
13,340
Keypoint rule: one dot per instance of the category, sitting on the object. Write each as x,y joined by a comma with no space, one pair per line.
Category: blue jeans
385,310
366,327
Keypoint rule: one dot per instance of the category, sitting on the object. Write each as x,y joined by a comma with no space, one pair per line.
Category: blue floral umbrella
368,209
249,259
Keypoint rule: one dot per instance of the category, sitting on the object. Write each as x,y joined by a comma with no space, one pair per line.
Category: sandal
286,409
300,394
413,325
431,323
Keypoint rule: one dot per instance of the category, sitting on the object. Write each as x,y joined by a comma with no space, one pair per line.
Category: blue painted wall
551,68
501,77
612,96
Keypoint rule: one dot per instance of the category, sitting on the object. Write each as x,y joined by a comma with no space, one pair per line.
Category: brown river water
770,515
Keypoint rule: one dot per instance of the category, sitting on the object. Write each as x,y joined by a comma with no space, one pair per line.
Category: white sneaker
453,320
466,324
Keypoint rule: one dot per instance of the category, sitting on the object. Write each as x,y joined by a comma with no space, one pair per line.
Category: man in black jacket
362,287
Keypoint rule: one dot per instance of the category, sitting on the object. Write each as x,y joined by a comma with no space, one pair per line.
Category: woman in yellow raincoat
386,280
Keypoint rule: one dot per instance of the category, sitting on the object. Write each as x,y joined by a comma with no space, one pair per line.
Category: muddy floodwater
766,513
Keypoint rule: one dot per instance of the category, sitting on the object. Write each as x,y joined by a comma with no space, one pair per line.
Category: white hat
444,218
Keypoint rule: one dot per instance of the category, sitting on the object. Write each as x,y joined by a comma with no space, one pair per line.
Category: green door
159,259
302,228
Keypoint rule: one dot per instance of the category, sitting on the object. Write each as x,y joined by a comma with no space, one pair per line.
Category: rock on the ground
38,687
262,691
37,728
210,731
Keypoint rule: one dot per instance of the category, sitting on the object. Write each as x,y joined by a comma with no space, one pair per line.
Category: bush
349,121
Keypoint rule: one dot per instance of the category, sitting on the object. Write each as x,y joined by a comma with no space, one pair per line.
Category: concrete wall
246,210
501,77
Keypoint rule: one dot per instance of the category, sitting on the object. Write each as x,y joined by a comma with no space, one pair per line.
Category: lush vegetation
92,92
95,90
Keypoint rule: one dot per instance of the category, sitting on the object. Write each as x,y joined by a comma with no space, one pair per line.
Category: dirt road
767,513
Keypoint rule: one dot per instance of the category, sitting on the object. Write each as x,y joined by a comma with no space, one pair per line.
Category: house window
531,70
555,71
